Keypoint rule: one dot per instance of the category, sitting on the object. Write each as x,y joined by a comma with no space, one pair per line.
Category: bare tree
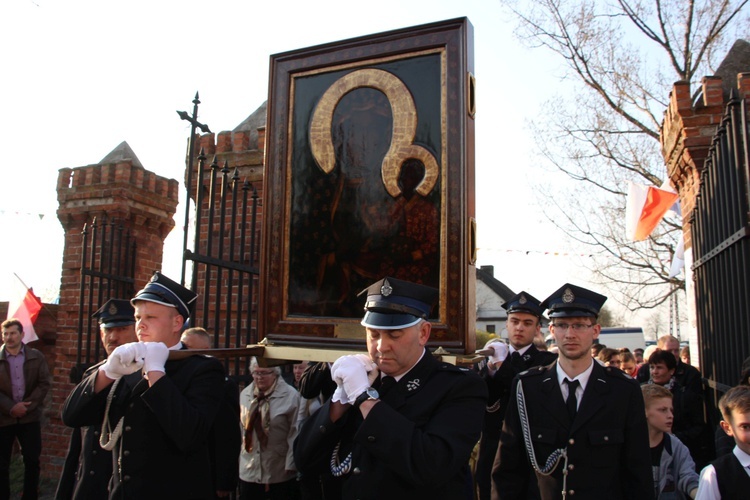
621,59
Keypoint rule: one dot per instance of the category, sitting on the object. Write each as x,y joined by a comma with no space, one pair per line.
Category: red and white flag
26,309
646,206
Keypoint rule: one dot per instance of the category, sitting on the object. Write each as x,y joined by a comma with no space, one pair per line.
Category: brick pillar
686,135
140,200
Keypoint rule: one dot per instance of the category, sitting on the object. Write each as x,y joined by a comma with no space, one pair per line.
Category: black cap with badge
393,304
164,291
571,301
114,313
524,302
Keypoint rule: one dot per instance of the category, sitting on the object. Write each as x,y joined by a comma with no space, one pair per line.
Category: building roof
486,274
120,153
252,123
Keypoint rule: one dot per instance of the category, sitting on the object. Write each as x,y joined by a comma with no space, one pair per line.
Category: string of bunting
550,253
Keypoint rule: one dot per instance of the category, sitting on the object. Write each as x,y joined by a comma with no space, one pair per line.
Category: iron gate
224,258
721,250
107,271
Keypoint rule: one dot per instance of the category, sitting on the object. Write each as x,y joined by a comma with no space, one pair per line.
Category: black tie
515,360
572,401
386,383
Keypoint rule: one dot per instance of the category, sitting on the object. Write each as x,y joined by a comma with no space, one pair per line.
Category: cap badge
568,296
386,289
522,300
412,385
153,278
112,309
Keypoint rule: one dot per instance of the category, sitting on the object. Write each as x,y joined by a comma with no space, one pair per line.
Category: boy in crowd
728,476
673,468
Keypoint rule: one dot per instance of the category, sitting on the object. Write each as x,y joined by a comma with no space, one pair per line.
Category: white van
626,336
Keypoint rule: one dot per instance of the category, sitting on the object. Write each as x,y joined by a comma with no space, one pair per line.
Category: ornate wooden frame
331,182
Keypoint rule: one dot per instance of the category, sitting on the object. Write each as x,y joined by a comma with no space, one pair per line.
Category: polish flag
26,309
646,206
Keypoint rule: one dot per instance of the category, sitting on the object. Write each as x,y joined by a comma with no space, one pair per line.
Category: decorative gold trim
402,147
471,95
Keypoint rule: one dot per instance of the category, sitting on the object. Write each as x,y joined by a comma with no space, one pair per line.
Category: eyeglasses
261,374
576,327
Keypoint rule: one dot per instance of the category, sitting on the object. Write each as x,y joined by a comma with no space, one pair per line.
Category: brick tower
117,188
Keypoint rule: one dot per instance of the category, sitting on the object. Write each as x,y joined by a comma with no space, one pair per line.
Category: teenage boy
728,476
673,468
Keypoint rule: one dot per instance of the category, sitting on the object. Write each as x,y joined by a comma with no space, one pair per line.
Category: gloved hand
352,374
499,350
124,360
156,357
339,396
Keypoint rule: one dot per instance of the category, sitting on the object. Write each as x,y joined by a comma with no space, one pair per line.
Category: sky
81,76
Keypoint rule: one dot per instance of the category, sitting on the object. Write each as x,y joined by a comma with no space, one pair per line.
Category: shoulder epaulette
536,370
453,368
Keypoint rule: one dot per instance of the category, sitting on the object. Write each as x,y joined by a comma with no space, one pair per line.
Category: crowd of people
581,420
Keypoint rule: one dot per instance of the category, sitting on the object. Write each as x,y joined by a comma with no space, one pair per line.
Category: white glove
352,374
156,356
124,360
499,350
339,396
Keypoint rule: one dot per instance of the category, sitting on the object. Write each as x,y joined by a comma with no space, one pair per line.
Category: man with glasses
400,424
579,425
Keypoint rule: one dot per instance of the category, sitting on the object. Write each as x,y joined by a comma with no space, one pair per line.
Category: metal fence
107,270
225,258
721,251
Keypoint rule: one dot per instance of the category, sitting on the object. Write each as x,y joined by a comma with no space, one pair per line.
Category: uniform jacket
415,443
273,463
37,379
163,451
499,389
88,467
226,440
676,469
607,442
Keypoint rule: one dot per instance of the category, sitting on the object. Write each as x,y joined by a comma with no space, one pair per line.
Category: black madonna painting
368,175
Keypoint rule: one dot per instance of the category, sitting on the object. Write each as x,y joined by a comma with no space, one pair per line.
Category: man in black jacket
88,467
158,427
579,427
400,424
504,363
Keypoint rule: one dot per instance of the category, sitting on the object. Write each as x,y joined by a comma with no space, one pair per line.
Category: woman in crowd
269,409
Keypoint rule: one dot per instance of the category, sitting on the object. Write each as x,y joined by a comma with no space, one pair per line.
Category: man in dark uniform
504,363
88,467
400,424
581,426
225,439
158,428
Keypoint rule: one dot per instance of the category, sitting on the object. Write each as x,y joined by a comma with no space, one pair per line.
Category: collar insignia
412,385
